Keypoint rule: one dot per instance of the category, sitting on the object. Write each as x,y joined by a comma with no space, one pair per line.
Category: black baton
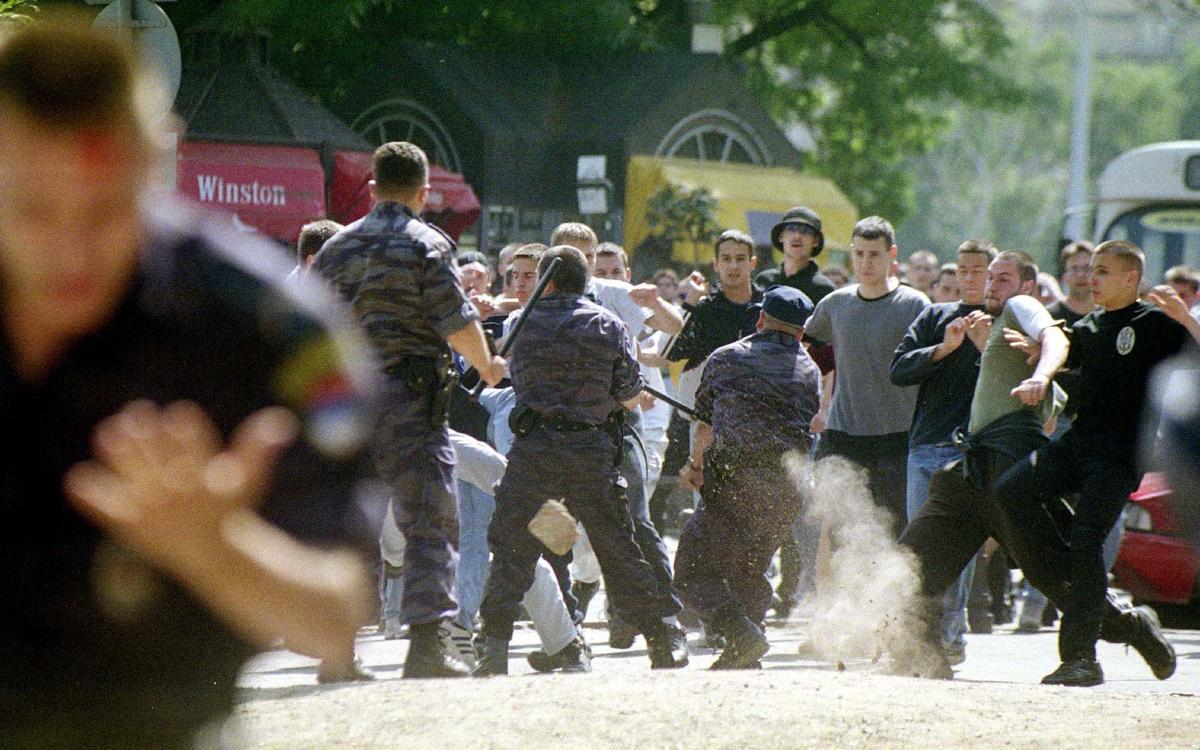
677,404
512,335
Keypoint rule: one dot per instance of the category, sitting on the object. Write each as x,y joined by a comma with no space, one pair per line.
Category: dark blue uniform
572,367
759,394
205,320
398,275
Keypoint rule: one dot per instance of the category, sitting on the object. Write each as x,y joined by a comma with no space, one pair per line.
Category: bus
1151,197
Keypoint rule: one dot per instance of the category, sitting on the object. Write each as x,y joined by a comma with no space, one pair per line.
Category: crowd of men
210,453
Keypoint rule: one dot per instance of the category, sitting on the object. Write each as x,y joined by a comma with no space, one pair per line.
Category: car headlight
1137,518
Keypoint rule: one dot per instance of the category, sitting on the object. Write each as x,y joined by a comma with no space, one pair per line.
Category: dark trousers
633,469
726,546
416,460
885,458
576,467
1060,468
956,520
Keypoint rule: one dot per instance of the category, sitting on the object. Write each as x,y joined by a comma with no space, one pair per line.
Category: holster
434,377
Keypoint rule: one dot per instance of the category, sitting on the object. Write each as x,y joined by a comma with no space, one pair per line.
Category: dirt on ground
791,703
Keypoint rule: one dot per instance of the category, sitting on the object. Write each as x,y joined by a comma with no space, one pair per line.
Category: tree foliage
872,79
680,215
16,11
862,74
1001,175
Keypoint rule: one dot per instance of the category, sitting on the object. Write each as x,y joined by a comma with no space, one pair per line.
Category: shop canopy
748,197
274,189
256,146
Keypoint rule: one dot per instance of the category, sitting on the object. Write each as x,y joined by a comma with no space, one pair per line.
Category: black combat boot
576,656
493,658
745,644
1081,672
427,657
668,647
621,634
1149,641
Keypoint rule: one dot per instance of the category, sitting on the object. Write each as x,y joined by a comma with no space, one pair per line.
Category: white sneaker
456,640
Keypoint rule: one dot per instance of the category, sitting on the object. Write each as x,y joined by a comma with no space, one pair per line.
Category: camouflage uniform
398,275
572,367
759,394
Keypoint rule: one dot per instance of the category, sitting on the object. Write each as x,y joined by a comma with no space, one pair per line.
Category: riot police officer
756,399
574,374
397,272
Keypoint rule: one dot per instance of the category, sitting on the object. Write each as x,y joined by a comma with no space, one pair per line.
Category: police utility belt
523,421
428,376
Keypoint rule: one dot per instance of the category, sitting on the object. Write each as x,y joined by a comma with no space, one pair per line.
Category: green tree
1002,175
677,214
869,77
16,11
872,79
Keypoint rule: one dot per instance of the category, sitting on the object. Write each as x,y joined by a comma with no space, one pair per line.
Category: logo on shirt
1125,340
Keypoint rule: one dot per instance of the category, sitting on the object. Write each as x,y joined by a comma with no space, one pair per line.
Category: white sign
591,168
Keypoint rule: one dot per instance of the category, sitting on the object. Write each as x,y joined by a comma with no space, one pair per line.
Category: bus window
1169,235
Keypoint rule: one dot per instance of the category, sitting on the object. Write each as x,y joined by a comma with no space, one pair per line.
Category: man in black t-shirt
1115,349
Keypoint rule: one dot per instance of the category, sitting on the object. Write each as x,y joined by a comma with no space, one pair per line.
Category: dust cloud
867,601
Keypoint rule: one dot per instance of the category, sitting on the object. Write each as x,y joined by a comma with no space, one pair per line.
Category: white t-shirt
659,416
614,297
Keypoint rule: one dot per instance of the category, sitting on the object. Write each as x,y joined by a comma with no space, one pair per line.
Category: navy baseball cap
787,305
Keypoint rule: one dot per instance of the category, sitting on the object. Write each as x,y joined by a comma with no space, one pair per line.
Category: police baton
687,410
516,329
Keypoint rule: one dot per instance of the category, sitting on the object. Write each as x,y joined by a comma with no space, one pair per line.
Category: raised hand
979,328
1022,343
163,483
645,295
1166,298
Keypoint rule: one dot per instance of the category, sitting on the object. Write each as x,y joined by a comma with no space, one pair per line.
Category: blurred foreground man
756,399
398,275
223,423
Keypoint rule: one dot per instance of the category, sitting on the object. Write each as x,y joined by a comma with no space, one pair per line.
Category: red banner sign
275,189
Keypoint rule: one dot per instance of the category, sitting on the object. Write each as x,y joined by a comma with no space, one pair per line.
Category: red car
1157,562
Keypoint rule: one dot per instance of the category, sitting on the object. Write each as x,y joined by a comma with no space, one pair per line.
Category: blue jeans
923,462
393,596
475,509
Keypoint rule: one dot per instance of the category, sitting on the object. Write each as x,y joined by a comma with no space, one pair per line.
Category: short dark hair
400,166
571,276
612,249
734,235
66,75
1027,268
668,272
1128,252
532,250
1079,247
977,247
874,228
312,236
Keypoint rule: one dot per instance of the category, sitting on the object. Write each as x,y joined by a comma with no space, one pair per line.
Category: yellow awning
750,198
